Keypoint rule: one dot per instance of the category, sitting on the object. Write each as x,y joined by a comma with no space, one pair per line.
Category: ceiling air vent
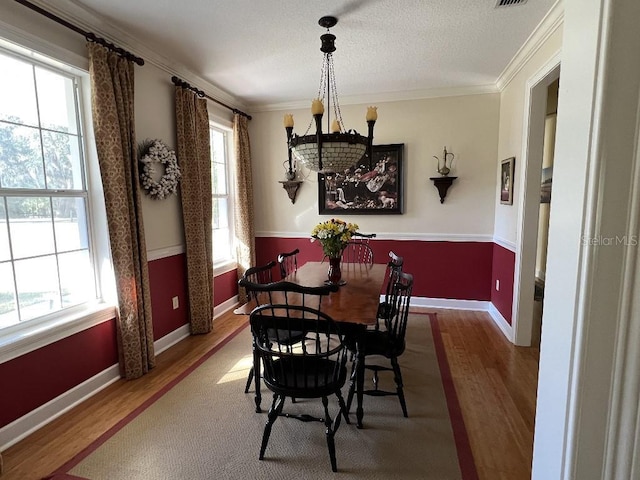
509,3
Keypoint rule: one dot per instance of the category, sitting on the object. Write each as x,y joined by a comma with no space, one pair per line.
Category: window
46,252
223,247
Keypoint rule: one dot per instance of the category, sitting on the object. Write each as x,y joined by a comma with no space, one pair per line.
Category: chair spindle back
288,262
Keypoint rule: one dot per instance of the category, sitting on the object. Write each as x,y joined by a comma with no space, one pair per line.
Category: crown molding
89,20
26,43
549,24
383,97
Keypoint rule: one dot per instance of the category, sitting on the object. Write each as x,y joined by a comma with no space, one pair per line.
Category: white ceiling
267,52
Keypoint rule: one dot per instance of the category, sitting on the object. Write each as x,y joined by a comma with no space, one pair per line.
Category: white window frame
230,263
17,340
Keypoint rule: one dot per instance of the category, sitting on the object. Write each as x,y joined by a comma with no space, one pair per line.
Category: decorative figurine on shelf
289,174
446,156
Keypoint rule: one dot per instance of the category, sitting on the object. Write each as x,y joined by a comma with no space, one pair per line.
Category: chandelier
339,149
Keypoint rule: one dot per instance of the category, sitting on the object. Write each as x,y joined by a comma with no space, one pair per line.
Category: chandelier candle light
340,149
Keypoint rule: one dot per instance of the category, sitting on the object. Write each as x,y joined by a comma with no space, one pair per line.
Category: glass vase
334,272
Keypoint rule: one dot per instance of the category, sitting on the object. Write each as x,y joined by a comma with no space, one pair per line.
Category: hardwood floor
495,381
496,384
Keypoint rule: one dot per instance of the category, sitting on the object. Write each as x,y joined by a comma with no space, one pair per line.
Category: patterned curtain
245,233
194,156
113,122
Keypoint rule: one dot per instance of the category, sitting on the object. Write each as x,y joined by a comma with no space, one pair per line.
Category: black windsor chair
357,252
285,293
316,368
388,343
261,274
393,267
288,262
363,237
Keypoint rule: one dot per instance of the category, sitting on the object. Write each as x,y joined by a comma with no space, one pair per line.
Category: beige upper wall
478,129
510,142
155,119
466,125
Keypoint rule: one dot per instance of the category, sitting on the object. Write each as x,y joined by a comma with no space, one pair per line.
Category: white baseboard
224,307
171,339
501,322
479,305
426,302
20,428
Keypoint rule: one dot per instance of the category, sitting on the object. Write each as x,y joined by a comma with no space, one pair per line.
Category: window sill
224,267
21,339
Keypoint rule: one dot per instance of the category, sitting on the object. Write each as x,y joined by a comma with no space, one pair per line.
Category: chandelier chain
334,89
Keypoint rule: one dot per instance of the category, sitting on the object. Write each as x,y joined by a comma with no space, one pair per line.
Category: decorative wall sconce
443,182
290,184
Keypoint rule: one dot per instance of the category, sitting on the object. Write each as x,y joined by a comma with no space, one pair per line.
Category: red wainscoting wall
503,269
168,279
37,377
40,376
225,286
454,270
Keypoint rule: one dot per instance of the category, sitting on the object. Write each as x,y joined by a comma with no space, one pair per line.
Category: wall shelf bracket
442,184
291,186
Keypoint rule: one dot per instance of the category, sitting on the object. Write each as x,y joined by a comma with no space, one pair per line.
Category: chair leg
398,379
256,377
343,407
249,380
329,433
254,354
352,385
274,411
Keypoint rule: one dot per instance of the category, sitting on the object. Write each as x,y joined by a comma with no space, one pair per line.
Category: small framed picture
506,181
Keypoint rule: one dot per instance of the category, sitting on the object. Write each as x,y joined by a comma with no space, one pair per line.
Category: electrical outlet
176,303
497,285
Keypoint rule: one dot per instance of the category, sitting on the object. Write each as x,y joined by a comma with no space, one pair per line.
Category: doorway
546,184
525,329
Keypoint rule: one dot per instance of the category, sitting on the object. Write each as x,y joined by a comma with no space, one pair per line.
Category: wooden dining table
354,305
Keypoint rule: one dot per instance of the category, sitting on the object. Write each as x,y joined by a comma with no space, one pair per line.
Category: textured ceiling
267,52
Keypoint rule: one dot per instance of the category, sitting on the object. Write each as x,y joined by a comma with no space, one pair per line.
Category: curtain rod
92,37
181,83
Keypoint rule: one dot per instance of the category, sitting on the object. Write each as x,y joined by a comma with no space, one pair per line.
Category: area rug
204,427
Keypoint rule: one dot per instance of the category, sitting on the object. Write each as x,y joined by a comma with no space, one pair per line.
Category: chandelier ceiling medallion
338,149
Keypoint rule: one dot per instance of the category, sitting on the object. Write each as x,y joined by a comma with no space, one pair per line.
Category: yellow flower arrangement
333,235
